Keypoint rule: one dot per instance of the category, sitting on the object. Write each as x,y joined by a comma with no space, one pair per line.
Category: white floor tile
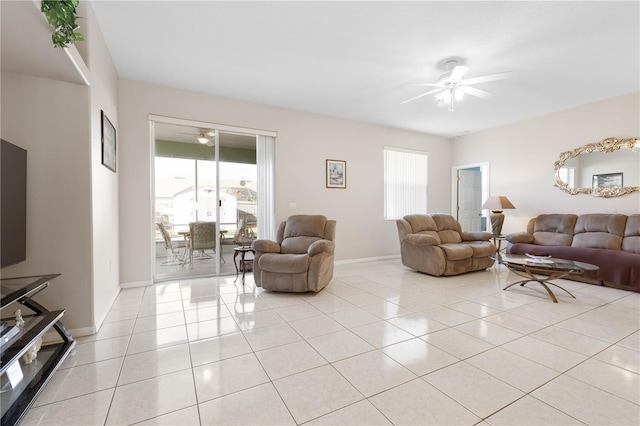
615,380
339,345
157,339
257,319
228,376
373,372
354,317
488,331
457,343
89,409
212,328
100,350
289,359
270,337
575,342
218,348
260,405
316,326
471,387
151,398
418,403
513,369
529,411
381,334
156,322
147,365
316,392
361,413
419,356
185,417
544,353
418,324
587,403
82,380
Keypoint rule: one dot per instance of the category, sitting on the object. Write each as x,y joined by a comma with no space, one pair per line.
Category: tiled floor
380,345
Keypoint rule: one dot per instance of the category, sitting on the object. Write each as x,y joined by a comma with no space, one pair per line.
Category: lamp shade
498,203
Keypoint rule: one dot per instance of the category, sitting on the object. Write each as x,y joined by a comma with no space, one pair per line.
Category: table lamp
496,205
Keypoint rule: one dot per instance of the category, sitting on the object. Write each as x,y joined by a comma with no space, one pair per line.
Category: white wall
522,157
50,120
303,144
104,183
72,200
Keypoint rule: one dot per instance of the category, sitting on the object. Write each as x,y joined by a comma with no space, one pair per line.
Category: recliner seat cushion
457,251
284,263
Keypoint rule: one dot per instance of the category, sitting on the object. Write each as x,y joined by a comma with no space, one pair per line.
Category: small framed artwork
108,143
336,174
607,180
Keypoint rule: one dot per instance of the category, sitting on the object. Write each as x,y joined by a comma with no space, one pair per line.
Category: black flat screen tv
13,195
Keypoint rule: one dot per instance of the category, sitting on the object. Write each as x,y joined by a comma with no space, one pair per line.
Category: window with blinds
405,182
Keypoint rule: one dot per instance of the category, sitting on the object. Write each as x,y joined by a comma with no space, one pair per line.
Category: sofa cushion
420,223
554,229
599,231
482,248
457,251
631,240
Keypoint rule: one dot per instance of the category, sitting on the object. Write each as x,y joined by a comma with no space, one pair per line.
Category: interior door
470,199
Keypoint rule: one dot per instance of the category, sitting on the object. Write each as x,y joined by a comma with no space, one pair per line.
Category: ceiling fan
206,137
452,86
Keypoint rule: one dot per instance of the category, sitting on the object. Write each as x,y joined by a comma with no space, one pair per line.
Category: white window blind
405,182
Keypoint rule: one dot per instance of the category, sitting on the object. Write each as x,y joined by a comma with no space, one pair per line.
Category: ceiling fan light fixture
203,139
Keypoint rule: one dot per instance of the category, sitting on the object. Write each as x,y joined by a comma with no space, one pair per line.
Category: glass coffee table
542,270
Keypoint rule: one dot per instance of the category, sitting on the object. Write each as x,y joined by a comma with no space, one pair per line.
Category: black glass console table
22,376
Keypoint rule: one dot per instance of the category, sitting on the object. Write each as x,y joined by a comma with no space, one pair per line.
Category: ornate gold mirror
609,168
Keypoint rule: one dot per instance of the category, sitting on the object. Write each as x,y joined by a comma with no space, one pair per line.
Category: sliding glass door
205,199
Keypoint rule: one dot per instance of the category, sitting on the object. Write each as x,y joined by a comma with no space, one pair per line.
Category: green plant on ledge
61,14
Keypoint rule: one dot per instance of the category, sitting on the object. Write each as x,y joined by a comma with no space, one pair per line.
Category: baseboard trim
365,259
135,284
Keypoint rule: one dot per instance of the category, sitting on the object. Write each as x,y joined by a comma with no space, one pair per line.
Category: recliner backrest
298,232
449,229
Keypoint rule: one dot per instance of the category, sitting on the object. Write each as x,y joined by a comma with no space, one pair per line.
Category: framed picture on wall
336,174
108,143
607,180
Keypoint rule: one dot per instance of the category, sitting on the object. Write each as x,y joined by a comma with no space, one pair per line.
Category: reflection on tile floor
380,345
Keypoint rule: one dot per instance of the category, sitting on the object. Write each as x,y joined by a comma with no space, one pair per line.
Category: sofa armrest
321,246
520,237
421,240
475,236
265,246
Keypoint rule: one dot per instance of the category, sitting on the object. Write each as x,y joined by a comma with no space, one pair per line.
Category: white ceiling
358,60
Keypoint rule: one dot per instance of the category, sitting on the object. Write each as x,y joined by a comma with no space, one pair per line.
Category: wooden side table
242,265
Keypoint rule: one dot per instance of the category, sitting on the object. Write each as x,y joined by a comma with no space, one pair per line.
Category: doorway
470,189
205,199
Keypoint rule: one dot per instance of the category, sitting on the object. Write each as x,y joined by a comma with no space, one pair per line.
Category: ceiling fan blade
458,72
427,84
486,78
476,92
420,96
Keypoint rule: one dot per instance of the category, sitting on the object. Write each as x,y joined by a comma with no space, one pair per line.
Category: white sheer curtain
405,182
266,159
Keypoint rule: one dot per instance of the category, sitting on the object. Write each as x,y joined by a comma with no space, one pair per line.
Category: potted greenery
61,14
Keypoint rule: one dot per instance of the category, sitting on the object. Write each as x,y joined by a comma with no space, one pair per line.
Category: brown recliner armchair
301,258
435,244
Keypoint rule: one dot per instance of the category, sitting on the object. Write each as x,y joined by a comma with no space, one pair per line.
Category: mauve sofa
610,241
435,244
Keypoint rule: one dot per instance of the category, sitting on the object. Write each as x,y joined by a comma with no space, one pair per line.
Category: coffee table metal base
543,281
